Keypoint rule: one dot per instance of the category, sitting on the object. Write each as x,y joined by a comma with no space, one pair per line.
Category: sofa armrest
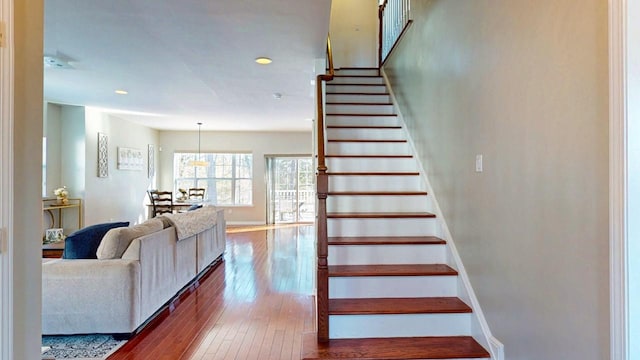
81,296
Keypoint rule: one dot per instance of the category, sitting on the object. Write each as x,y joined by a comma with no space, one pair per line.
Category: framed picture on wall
130,159
103,155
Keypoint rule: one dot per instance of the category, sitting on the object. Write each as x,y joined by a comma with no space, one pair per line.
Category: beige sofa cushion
116,241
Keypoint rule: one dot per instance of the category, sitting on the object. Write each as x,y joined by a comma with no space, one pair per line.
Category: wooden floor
255,305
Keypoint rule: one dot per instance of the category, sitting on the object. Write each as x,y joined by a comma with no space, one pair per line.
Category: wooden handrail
319,79
330,56
322,189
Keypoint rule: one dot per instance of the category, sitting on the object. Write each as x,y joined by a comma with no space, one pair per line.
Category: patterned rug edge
70,350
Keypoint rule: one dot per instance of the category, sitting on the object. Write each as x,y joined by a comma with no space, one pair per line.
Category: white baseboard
497,348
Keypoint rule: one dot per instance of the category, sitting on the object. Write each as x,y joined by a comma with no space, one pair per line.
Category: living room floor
254,305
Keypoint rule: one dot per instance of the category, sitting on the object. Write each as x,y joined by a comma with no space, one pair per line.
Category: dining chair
161,201
196,193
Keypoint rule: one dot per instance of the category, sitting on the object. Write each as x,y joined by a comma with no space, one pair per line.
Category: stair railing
394,19
322,189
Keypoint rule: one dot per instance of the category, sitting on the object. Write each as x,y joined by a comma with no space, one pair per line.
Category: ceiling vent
56,63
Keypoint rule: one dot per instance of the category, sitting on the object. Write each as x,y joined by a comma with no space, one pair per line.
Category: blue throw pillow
83,244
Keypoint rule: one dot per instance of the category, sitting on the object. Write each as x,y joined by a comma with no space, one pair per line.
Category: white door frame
6,179
624,141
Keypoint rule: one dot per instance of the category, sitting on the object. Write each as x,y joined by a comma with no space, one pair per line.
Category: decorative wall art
151,160
103,156
130,159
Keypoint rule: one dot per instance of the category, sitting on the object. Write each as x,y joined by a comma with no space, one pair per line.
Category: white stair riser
392,286
367,148
362,72
370,164
365,134
359,109
348,79
386,254
383,227
346,120
375,183
367,89
358,98
379,203
399,325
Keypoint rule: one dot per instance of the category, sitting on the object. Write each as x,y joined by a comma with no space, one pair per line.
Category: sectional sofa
138,270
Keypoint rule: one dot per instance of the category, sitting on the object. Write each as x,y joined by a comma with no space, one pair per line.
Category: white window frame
6,179
233,171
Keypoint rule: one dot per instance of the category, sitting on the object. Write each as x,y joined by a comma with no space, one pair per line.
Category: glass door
290,189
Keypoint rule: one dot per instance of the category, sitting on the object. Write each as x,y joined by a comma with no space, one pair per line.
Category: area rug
80,347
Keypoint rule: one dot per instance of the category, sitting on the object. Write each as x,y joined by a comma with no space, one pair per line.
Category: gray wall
72,161
525,84
354,33
121,196
52,131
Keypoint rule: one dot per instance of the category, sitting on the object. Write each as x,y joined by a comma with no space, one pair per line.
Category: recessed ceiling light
121,92
263,60
277,96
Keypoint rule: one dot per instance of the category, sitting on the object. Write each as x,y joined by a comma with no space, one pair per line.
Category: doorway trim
6,178
619,242
270,161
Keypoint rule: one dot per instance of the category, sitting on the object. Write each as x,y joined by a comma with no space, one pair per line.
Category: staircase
391,293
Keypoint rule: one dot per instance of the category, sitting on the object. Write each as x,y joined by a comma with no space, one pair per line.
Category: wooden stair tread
355,84
356,68
392,270
385,240
356,93
364,127
408,348
368,140
374,115
361,76
381,215
368,156
357,103
377,193
422,305
391,173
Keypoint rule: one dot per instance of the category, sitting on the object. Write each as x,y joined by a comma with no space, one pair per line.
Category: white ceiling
184,61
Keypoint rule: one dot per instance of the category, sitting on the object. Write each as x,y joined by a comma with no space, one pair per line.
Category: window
227,178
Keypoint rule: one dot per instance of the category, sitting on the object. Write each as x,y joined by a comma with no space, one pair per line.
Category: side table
53,250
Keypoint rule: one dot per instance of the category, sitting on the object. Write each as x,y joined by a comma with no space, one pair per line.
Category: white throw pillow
116,241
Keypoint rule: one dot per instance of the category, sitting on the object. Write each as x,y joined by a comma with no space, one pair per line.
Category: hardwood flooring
254,305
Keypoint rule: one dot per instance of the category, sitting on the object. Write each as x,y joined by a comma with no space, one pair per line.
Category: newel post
323,270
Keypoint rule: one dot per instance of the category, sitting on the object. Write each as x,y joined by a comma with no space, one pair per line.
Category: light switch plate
479,163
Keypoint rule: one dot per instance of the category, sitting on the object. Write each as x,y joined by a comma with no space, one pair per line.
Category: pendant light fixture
199,161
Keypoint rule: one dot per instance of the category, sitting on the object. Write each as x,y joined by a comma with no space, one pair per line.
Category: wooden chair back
196,193
161,201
